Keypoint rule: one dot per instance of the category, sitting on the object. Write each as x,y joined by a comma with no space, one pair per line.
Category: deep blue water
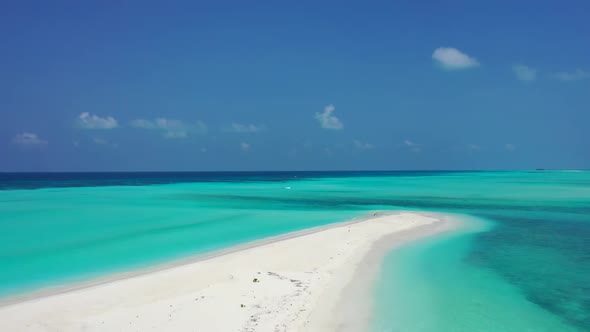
93,179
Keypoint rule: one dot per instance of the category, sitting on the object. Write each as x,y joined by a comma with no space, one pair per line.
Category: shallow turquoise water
524,265
521,265
51,236
430,286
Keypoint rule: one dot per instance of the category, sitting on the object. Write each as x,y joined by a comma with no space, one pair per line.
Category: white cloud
170,127
91,121
362,145
576,75
244,128
474,147
524,73
100,141
28,139
452,58
327,120
414,147
510,147
141,123
245,146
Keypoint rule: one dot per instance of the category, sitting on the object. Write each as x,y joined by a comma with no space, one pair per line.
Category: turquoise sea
522,262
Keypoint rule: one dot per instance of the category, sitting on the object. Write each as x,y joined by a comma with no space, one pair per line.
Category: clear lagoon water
522,263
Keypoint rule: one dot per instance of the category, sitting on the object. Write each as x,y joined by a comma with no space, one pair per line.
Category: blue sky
301,85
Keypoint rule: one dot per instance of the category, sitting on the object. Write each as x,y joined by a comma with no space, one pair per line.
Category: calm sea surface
521,264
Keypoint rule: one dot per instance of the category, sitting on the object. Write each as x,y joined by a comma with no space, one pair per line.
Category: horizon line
309,171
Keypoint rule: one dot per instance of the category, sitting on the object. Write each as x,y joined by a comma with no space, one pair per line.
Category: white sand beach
314,280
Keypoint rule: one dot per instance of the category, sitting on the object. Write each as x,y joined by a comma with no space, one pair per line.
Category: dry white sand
315,280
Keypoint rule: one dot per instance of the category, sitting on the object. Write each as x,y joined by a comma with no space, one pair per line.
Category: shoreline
132,273
356,298
293,281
